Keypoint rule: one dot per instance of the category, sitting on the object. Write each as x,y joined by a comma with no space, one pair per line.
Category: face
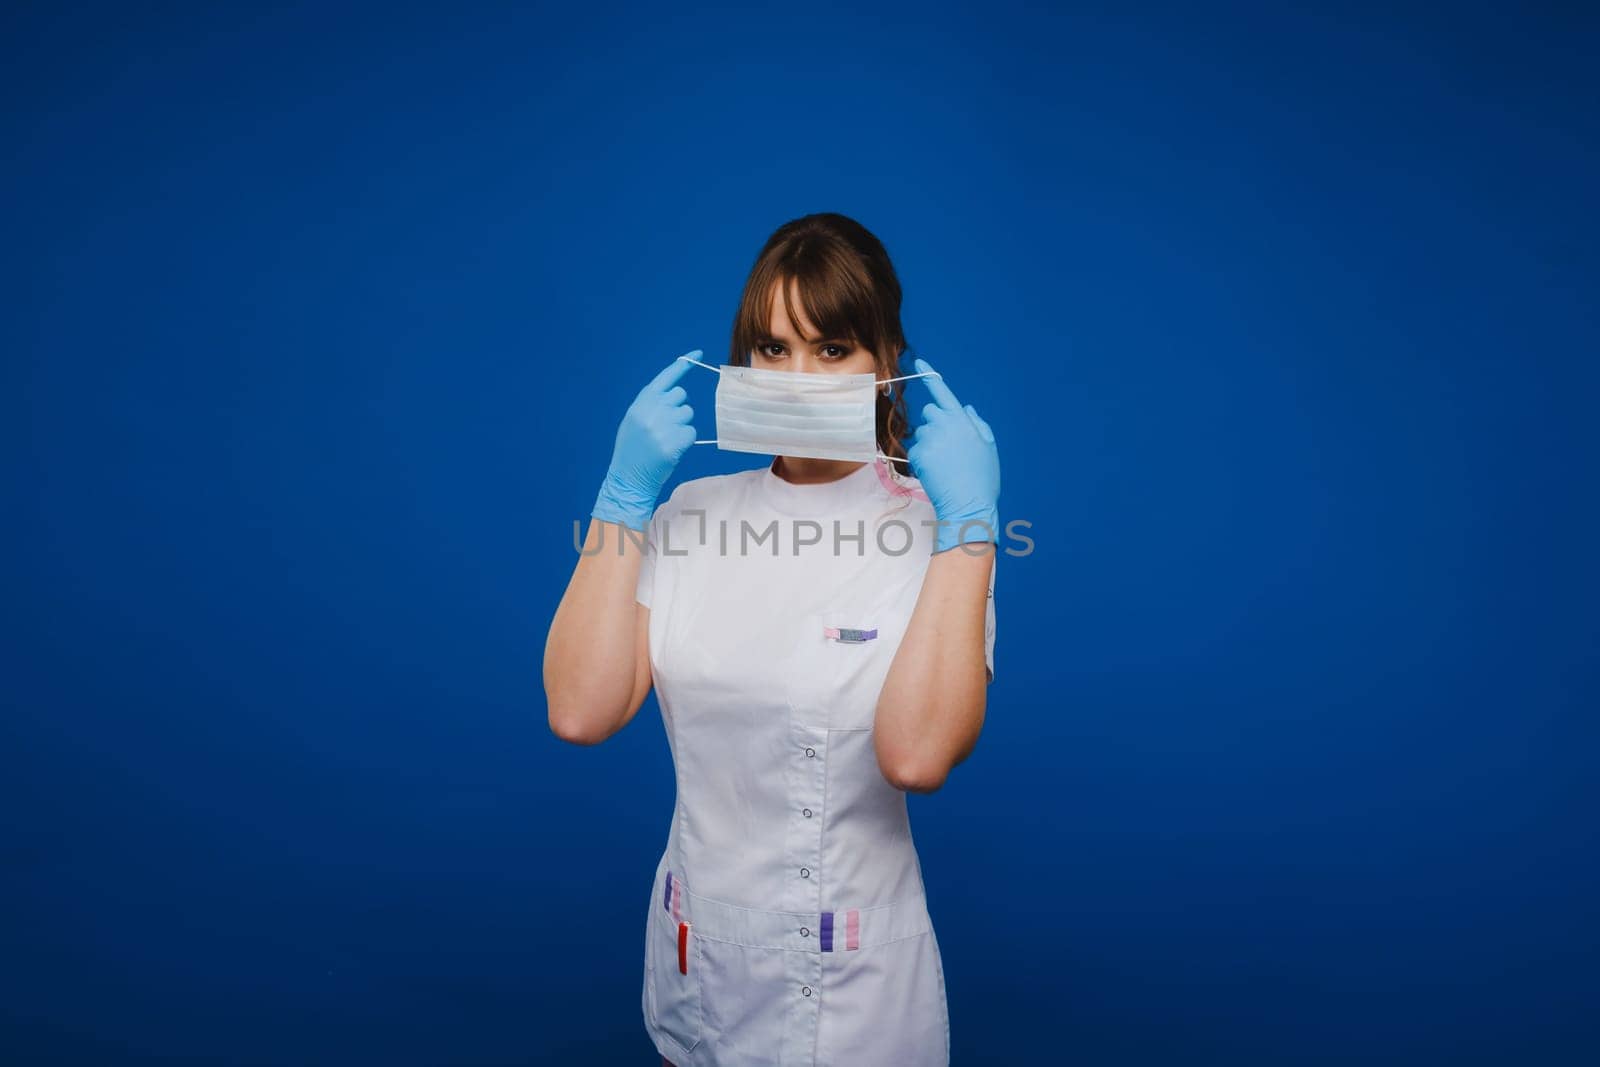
807,352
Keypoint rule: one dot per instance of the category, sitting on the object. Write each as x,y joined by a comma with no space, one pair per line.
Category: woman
819,633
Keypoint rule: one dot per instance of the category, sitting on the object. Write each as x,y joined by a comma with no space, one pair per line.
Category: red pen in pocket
683,948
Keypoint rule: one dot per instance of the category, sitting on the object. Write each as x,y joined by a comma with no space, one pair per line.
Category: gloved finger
941,392
677,394
931,412
682,413
983,427
673,371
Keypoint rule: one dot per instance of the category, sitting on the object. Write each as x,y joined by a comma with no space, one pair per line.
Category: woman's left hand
954,456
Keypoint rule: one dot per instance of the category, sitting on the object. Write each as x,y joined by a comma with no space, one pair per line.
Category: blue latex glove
953,454
653,436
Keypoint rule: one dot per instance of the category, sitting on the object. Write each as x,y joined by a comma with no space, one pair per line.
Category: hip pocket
672,981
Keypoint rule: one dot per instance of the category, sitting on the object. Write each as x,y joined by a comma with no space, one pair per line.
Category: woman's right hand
653,436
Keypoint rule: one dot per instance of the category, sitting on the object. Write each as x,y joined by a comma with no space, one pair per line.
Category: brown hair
848,289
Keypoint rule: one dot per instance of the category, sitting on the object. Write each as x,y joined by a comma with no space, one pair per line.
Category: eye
766,348
835,351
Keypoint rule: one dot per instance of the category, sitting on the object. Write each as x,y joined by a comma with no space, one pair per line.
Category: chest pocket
842,658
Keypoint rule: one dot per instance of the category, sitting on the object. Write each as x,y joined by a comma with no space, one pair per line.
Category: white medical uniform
788,922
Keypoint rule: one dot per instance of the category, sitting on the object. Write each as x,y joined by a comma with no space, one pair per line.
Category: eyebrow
766,338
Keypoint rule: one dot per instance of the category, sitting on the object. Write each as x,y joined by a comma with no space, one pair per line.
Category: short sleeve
988,624
645,592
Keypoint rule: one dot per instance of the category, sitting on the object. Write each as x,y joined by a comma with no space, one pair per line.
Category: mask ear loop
902,378
707,366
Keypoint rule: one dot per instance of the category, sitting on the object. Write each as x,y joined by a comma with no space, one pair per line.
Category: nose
792,365
805,363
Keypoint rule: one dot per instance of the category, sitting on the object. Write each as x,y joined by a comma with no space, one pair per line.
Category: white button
805,872
807,812
811,752
805,989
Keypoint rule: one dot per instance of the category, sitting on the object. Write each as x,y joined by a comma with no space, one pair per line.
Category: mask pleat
791,435
851,420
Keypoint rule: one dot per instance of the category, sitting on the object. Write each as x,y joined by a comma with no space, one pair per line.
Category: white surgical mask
792,413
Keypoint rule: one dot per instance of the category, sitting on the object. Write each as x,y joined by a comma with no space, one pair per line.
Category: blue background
318,325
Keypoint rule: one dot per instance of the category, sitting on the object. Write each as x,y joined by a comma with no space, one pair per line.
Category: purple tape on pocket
852,930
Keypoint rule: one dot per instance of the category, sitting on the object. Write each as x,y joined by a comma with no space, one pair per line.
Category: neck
807,471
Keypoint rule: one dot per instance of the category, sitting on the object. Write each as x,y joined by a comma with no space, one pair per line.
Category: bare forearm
589,655
932,705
